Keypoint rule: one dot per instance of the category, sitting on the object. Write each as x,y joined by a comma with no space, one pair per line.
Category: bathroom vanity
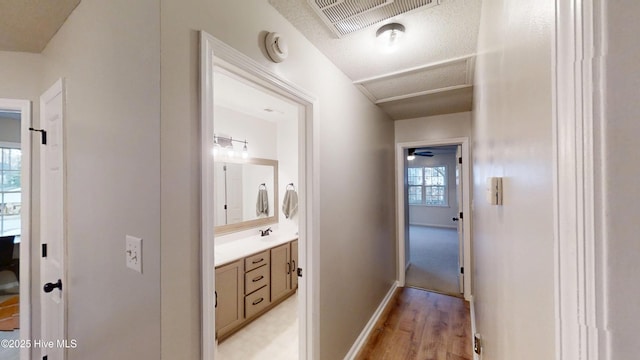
253,275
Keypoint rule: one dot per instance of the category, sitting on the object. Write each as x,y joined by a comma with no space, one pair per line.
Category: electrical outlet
133,253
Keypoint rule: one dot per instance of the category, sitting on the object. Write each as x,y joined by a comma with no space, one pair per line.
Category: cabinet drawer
256,301
256,260
255,279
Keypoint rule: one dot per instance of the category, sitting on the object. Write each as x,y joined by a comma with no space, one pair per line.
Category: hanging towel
290,203
262,204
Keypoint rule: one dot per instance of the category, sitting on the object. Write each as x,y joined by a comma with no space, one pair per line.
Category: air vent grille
346,16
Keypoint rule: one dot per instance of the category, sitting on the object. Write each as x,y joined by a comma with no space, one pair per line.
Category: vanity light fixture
389,34
412,154
221,143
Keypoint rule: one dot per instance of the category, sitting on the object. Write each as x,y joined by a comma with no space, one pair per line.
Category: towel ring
290,186
262,187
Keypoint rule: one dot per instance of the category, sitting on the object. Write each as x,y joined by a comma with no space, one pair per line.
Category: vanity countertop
237,249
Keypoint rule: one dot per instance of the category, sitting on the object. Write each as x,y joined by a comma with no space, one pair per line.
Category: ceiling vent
346,16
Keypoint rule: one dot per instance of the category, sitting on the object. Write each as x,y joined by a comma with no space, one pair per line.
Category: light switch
494,190
133,253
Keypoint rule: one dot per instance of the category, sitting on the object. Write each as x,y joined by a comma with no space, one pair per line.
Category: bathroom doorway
275,128
433,199
15,225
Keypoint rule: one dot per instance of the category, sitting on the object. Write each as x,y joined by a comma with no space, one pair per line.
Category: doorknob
455,219
48,287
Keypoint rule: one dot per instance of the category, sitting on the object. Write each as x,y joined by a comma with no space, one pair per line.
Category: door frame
579,48
401,216
24,106
214,52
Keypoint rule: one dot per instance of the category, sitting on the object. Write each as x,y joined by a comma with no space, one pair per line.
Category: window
428,185
10,190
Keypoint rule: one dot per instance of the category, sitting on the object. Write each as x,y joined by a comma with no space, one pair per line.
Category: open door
460,218
52,229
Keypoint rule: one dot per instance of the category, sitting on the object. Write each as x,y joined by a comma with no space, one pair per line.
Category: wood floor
421,325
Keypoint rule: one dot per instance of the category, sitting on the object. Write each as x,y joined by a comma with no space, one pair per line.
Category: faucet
265,232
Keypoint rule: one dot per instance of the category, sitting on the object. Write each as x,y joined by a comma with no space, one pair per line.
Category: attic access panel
346,16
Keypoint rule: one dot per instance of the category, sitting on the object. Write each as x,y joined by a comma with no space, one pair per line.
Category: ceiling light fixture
389,34
412,154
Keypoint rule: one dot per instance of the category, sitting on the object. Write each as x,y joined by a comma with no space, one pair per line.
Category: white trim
429,66
24,106
222,55
8,144
474,328
453,227
422,93
576,277
206,205
466,205
362,338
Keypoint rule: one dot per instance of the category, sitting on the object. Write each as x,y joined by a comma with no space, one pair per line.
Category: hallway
419,324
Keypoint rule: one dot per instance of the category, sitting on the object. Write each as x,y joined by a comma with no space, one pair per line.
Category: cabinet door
229,296
280,271
294,264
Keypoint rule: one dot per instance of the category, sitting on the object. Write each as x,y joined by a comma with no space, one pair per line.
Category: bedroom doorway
15,237
433,190
434,242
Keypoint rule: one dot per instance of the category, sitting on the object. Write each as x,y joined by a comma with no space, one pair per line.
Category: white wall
433,127
439,216
512,137
618,178
287,167
109,55
357,217
259,133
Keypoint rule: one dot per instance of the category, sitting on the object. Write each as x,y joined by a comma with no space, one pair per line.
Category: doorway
434,244
15,224
217,56
432,192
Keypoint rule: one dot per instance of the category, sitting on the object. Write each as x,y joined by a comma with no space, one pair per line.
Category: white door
460,218
52,225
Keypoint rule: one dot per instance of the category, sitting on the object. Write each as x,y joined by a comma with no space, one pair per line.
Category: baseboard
474,329
361,340
435,225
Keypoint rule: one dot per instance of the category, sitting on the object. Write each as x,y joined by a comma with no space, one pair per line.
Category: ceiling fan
413,152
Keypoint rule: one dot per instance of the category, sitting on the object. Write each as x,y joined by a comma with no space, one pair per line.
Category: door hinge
44,250
460,215
459,160
299,272
477,344
46,357
225,206
461,270
44,134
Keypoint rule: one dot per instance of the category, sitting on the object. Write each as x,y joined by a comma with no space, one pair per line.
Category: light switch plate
133,253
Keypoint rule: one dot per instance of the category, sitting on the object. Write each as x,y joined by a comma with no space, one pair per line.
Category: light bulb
230,152
214,151
245,152
411,157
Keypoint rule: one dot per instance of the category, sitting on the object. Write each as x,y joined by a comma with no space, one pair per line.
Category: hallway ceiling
28,25
430,71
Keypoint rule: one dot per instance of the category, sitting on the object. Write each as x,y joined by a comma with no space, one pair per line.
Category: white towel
290,203
262,204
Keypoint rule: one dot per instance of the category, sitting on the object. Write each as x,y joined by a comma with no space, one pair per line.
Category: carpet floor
434,259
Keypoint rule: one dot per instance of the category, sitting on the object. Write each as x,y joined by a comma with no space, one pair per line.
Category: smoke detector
276,47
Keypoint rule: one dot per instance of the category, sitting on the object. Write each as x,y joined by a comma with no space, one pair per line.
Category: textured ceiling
440,41
28,25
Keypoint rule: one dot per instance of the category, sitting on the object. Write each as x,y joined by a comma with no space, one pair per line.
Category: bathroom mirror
245,194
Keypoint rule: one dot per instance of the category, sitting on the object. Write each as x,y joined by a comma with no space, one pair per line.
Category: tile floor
274,335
